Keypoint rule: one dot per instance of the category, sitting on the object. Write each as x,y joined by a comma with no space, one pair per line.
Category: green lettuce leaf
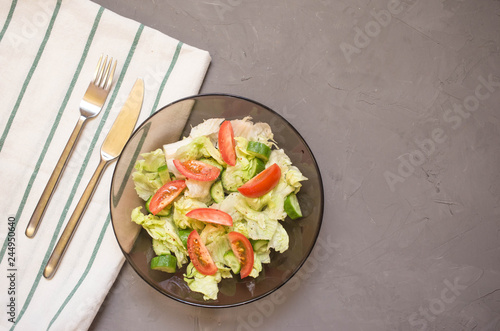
211,233
272,203
229,204
234,177
257,266
258,224
146,177
208,128
261,250
151,161
265,231
181,207
197,282
218,248
215,239
260,132
241,226
294,177
198,190
279,242
279,157
164,234
224,270
264,257
198,148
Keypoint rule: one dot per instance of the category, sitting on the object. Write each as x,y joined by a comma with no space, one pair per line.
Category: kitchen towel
48,53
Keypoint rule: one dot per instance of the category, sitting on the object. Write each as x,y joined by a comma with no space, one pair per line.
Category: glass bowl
135,243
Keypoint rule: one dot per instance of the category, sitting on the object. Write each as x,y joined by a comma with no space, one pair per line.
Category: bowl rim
320,188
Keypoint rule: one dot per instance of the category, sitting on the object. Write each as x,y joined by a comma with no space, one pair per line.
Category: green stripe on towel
167,75
8,19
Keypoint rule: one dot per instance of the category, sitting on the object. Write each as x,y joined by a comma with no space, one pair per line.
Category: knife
111,148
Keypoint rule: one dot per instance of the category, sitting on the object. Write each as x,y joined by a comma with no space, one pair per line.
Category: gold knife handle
70,229
36,218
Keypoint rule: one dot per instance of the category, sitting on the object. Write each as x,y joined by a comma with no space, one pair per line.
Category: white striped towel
48,53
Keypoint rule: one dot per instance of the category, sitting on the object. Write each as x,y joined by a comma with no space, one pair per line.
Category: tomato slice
226,143
197,170
242,249
165,195
264,182
211,215
199,255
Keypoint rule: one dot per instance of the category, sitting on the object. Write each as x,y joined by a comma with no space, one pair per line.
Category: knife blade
124,123
111,148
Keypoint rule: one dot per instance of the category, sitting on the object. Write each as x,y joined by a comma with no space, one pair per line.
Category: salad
215,201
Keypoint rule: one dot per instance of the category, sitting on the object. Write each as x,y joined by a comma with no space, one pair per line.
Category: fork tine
97,69
110,76
104,77
101,71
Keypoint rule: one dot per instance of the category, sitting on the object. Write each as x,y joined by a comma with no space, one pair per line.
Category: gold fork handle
36,218
70,229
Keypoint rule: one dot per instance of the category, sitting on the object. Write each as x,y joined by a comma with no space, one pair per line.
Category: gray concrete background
400,105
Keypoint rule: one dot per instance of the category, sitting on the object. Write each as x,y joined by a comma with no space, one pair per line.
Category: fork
90,106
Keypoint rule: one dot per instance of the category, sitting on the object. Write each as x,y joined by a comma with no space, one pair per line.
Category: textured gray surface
399,102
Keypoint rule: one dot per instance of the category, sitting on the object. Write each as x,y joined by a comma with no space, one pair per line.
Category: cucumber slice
184,234
166,263
164,174
256,166
217,191
147,204
212,162
164,212
232,262
260,150
292,207
228,182
259,246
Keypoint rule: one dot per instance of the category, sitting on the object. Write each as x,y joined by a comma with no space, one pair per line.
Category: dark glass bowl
136,243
